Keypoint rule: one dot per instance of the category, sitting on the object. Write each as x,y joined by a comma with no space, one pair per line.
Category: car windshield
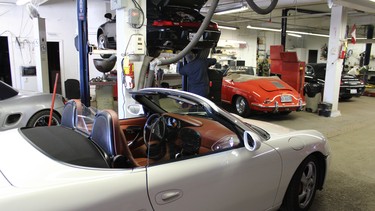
241,70
85,118
177,105
6,91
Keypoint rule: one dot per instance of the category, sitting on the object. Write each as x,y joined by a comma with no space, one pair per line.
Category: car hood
268,84
272,129
29,93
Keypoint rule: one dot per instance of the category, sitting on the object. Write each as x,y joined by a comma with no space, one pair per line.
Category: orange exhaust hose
53,100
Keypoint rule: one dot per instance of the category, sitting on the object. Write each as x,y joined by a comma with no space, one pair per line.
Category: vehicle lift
83,48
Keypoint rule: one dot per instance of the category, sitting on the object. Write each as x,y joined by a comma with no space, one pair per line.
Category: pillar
334,64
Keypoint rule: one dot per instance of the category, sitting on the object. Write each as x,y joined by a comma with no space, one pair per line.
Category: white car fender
305,143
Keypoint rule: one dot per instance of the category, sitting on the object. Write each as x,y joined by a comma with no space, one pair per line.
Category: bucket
324,109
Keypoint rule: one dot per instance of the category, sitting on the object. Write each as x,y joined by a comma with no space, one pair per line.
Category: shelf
107,51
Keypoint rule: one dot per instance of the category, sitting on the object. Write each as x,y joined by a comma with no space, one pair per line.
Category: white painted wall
61,25
250,37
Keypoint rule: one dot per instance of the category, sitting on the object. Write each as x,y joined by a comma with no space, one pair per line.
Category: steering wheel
155,128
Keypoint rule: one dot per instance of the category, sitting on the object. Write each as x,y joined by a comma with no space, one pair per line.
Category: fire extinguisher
343,49
128,69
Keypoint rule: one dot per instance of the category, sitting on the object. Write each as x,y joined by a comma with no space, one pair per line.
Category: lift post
83,51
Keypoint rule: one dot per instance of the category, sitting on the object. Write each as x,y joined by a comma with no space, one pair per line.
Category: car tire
41,119
242,106
302,188
103,44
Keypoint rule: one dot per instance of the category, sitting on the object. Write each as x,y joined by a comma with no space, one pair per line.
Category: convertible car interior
107,142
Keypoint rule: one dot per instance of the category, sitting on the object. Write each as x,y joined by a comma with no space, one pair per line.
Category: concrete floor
350,184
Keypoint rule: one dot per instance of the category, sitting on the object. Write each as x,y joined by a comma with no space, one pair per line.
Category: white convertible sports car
181,152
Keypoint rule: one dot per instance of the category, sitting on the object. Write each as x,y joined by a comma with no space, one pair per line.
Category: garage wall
61,26
246,51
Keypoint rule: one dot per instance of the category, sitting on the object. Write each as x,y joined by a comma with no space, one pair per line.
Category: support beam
127,41
370,35
41,55
83,51
334,64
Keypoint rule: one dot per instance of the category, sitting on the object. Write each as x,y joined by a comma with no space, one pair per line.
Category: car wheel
242,107
41,119
103,44
302,187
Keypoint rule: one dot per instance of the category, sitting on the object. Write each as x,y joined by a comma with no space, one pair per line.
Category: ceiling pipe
284,24
186,50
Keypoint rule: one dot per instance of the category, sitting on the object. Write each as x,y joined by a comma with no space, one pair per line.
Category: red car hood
268,84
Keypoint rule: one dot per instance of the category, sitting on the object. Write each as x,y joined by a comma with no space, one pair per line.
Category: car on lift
171,25
250,93
27,109
179,151
350,85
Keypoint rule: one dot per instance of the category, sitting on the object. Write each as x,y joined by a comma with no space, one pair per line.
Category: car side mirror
108,15
251,140
135,109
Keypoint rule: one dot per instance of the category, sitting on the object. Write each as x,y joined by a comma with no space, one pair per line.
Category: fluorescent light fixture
228,27
22,2
241,9
236,41
7,3
288,31
294,35
263,28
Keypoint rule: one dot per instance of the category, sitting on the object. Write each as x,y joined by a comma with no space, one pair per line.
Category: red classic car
248,92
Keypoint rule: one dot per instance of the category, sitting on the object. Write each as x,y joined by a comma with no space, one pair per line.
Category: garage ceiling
303,15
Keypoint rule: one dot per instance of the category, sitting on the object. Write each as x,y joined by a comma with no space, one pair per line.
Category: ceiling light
372,0
241,9
263,28
288,31
294,35
236,41
22,2
228,27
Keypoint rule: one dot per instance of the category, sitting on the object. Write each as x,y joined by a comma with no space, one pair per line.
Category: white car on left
27,109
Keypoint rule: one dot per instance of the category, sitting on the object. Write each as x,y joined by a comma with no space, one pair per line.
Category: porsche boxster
179,152
248,92
25,108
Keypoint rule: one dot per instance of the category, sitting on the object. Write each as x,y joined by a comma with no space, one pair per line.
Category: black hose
262,11
196,37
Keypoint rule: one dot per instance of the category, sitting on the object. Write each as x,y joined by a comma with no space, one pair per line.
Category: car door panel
227,90
231,180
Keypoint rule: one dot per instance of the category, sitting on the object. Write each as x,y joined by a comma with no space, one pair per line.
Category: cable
127,45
